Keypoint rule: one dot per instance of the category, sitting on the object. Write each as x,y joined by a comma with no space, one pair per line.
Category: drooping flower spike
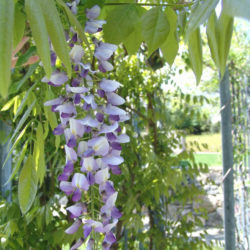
90,121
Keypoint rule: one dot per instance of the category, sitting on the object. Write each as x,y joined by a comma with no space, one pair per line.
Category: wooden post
227,157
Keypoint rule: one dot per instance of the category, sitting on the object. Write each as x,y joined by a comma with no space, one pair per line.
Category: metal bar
5,171
227,157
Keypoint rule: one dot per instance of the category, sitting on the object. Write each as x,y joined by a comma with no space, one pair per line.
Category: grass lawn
213,142
212,159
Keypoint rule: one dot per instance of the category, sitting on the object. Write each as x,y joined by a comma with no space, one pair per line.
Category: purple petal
57,101
105,245
76,53
84,73
100,164
70,154
69,167
93,12
87,230
77,209
75,82
89,121
77,99
115,99
63,177
72,142
115,213
123,138
74,38
59,130
94,26
76,127
77,195
88,129
115,169
53,108
102,176
91,178
67,108
80,181
88,164
109,85
101,93
118,130
113,160
116,146
89,152
100,145
74,227
109,226
57,78
105,51
109,188
89,81
111,136
86,106
77,244
110,238
53,58
90,244
111,201
108,128
78,90
113,110
105,66
89,99
82,147
76,69
114,118
66,187
100,117
124,118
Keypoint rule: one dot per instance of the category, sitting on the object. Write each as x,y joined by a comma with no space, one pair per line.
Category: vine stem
93,215
177,5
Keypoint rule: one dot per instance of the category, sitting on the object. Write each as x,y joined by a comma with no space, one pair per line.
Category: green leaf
22,120
200,15
155,28
170,47
9,104
6,37
16,86
39,32
19,26
56,32
18,163
74,22
15,143
134,40
27,185
25,57
24,101
39,159
212,37
121,21
225,31
91,3
239,8
50,116
195,53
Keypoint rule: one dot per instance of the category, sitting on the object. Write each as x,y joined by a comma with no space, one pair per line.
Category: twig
178,5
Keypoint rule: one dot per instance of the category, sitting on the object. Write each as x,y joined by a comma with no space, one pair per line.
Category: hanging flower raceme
90,119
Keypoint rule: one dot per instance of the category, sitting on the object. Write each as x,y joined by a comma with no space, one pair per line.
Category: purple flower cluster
90,121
